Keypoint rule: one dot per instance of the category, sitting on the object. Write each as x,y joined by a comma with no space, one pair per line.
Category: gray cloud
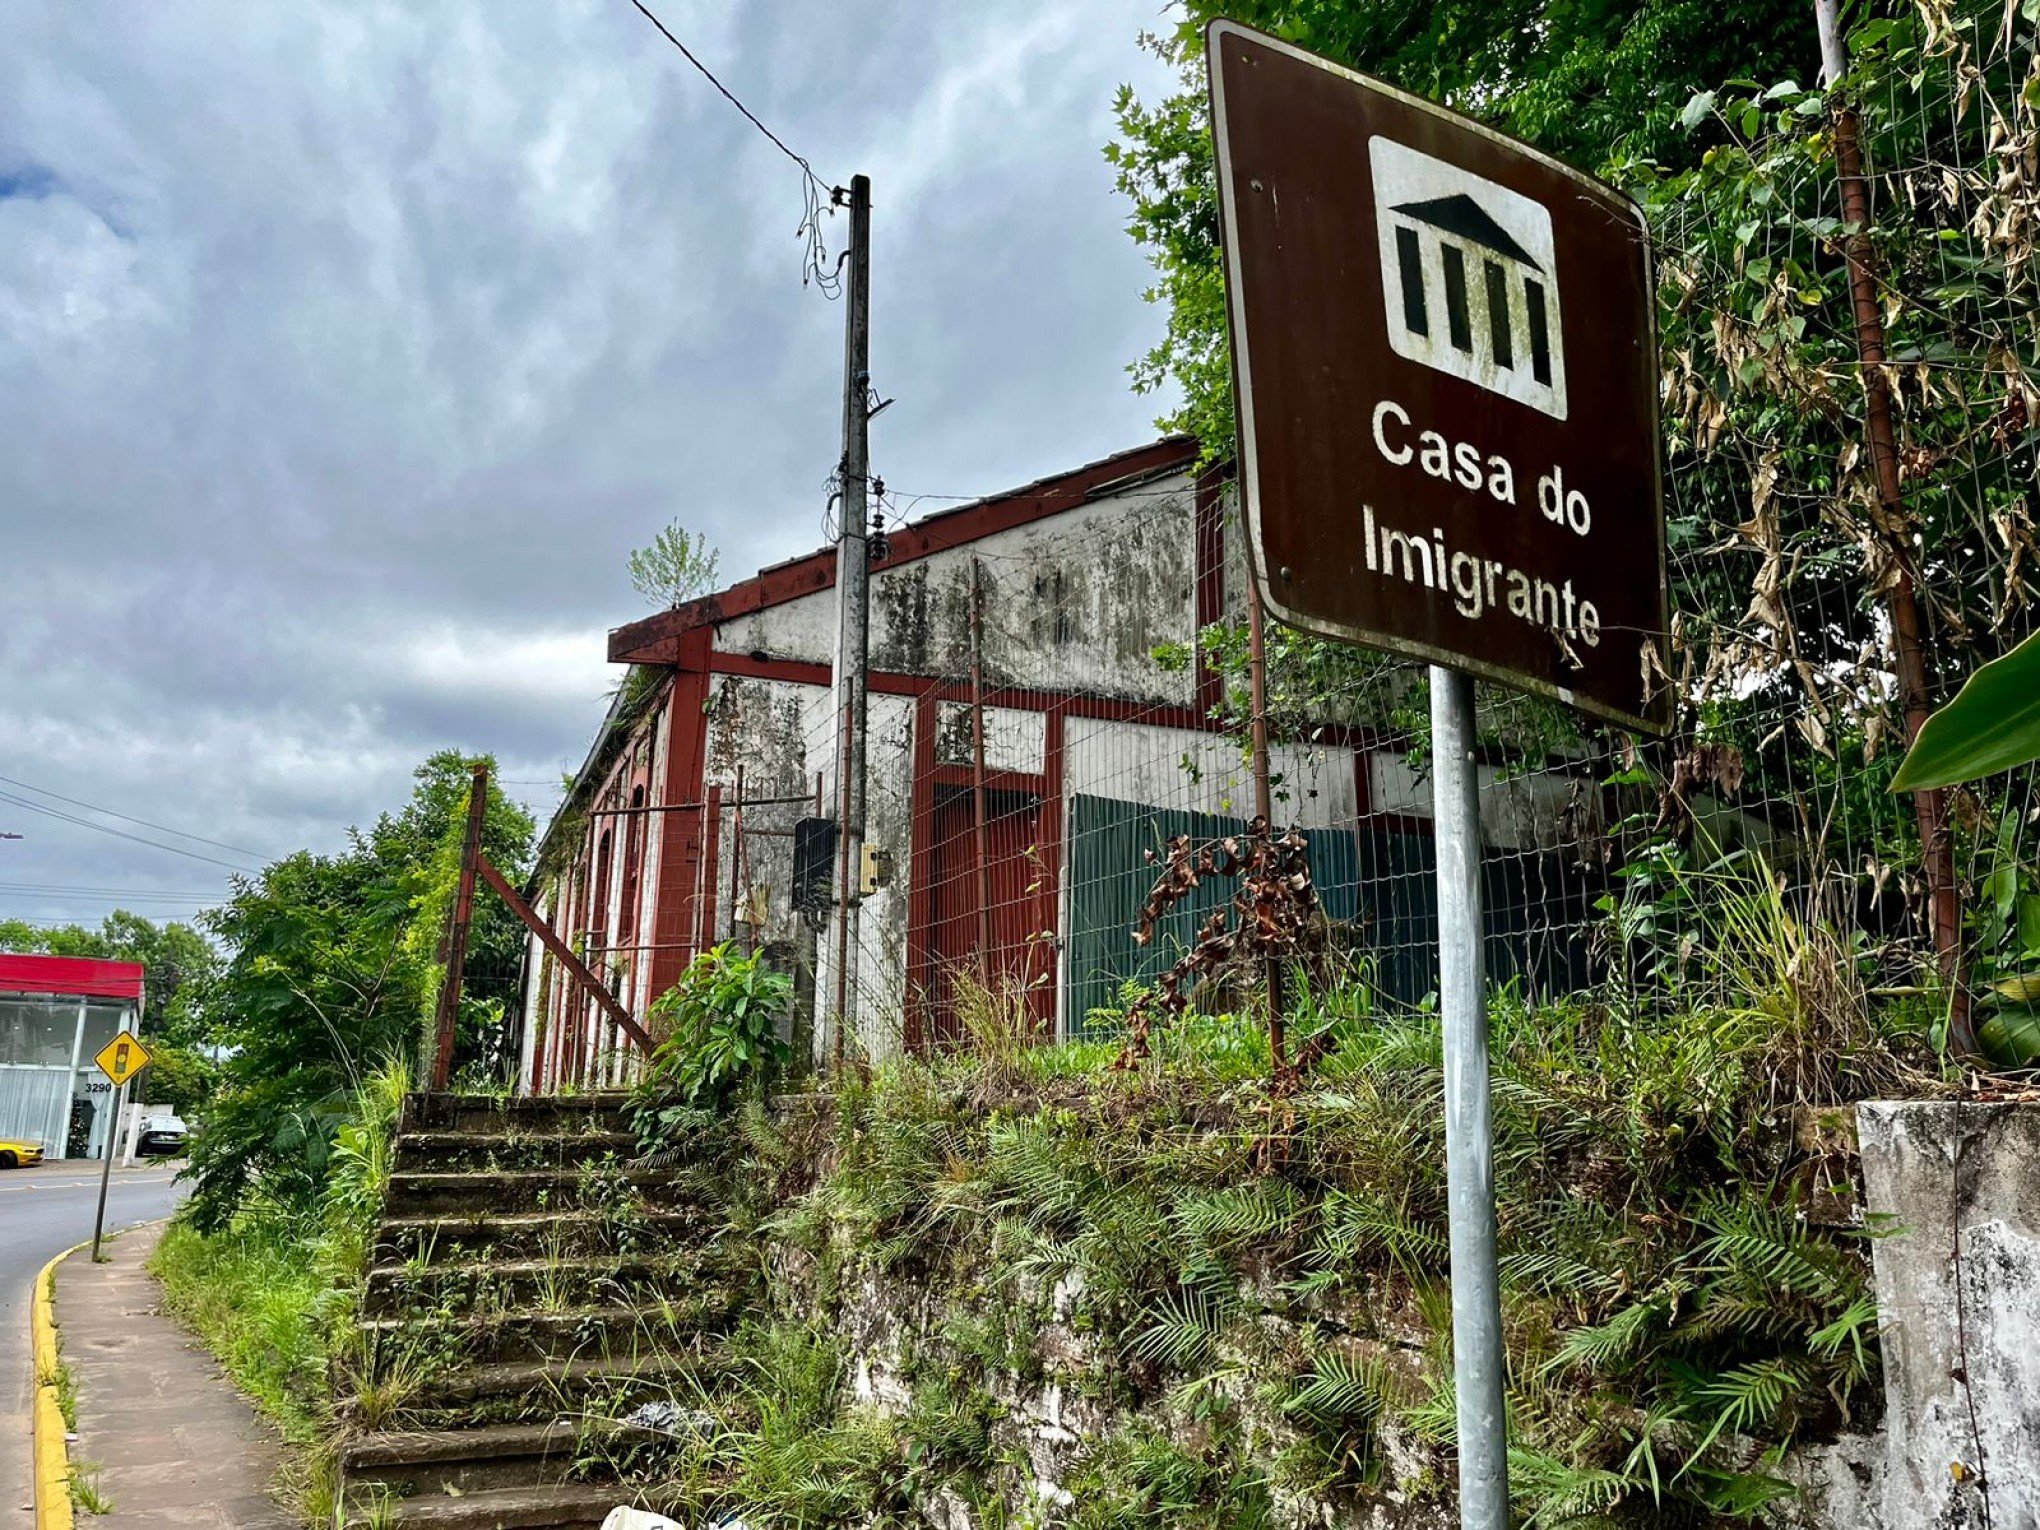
347,348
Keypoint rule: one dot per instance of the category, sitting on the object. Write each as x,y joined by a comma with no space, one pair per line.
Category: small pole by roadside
1264,809
106,1167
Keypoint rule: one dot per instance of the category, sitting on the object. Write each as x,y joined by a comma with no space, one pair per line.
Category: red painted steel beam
576,968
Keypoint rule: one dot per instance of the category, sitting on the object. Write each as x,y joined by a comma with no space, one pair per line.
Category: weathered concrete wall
1014,740
1958,1287
1205,772
1077,601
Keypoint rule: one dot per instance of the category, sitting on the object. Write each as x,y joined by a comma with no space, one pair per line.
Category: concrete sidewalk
42,1213
175,1445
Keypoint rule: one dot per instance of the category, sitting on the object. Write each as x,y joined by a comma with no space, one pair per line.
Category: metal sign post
1479,1365
1445,359
106,1171
120,1060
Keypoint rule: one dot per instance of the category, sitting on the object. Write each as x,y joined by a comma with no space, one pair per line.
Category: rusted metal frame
685,777
1257,675
705,880
1032,783
1930,808
979,850
604,865
563,997
1021,698
737,856
920,1028
577,969
1049,835
693,807
457,941
631,875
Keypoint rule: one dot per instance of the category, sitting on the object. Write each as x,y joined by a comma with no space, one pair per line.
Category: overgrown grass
254,1293
86,1494
65,1381
1252,1286
1233,1294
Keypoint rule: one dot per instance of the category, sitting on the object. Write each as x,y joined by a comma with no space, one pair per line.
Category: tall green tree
333,968
1594,83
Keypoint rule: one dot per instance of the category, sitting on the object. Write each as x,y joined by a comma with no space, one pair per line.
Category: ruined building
1039,718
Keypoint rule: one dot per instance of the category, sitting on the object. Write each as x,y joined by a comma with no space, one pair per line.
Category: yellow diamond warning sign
122,1058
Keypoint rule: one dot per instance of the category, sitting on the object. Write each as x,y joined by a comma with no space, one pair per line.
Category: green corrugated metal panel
1109,881
1536,907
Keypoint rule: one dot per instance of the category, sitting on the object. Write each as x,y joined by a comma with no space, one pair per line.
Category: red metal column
456,945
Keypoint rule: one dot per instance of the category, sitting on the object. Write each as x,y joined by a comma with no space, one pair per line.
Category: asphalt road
43,1211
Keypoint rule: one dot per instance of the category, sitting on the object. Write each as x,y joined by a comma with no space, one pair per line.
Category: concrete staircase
529,1292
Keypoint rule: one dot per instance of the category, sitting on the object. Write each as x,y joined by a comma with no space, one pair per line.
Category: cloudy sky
348,346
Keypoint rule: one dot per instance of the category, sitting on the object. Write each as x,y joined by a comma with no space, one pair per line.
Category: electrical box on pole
1445,359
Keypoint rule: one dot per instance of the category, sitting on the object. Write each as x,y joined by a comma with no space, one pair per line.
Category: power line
815,192
107,894
806,169
44,791
155,844
43,922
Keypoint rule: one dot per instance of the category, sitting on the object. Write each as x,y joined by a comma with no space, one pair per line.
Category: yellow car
16,1151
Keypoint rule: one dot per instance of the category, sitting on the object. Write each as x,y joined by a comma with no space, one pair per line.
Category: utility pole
853,609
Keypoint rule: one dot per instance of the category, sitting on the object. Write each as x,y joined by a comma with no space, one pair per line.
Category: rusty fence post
980,854
1264,809
457,941
1930,808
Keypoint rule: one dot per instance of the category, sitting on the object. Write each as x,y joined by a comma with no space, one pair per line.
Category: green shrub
720,1039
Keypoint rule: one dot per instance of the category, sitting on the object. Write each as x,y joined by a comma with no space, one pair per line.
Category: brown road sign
1445,351
122,1058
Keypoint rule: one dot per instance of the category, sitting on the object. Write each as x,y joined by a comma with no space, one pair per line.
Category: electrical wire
44,791
817,196
155,844
46,922
67,890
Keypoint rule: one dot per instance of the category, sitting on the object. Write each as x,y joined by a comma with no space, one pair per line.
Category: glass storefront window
41,1095
38,1033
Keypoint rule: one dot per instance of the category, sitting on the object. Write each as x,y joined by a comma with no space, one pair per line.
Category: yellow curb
52,1455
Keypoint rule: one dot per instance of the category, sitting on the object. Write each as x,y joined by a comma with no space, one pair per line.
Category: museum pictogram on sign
1469,268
